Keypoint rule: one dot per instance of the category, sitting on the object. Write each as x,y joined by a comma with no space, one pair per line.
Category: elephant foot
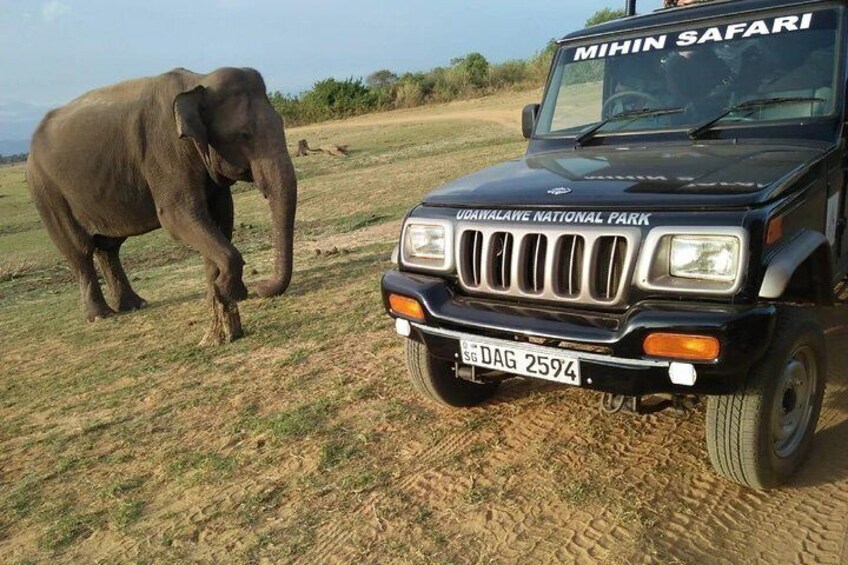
232,290
130,302
94,312
226,323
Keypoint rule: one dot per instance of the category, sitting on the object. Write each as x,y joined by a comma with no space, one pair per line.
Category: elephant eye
245,135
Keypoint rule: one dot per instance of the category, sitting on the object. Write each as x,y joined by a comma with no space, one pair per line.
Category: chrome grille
587,265
609,265
501,260
471,257
534,247
569,265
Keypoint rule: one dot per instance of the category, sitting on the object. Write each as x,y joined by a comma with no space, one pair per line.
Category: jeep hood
698,176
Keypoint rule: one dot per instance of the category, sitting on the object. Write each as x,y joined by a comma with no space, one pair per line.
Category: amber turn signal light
407,307
682,346
774,231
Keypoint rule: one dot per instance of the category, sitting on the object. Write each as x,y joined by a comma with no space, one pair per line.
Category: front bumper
609,345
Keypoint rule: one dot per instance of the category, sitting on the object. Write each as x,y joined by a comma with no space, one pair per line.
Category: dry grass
124,441
16,268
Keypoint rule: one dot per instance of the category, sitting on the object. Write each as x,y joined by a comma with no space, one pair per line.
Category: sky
54,50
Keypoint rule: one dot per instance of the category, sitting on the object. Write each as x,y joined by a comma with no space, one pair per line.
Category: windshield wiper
698,131
626,115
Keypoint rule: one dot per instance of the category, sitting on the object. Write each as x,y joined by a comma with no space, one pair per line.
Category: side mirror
528,119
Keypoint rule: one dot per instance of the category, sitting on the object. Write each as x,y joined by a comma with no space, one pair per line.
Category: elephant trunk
277,181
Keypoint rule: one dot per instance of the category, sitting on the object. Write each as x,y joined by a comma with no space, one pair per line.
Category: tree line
10,159
465,77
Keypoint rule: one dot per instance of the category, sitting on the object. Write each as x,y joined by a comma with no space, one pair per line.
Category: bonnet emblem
560,191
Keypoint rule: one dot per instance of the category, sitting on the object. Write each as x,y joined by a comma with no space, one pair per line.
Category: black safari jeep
673,231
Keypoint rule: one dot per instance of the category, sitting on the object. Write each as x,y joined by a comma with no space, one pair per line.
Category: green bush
474,67
409,95
340,99
451,84
508,74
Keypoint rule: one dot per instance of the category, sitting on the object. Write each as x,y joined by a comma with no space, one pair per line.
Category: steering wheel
651,101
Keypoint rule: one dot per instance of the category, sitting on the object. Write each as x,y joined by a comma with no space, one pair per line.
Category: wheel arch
801,272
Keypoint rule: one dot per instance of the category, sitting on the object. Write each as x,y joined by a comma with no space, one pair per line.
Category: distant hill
18,121
13,146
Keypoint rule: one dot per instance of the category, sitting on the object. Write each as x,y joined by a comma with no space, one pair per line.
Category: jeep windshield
757,70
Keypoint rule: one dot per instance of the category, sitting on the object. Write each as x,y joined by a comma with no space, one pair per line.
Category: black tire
435,379
744,438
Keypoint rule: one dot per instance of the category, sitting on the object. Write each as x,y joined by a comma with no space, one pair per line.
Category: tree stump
335,150
303,149
226,321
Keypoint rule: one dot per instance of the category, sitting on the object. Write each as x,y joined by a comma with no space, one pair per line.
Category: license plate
524,361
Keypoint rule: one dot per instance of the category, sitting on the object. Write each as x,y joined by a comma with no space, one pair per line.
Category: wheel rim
793,405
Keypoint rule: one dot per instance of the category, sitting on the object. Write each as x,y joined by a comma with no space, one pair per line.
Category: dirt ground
123,441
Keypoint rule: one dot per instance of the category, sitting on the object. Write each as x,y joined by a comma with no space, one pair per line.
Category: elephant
162,151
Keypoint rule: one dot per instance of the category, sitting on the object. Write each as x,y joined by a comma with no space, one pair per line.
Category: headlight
427,244
704,257
694,260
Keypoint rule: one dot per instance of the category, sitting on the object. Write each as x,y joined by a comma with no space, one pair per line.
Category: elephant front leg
226,320
197,228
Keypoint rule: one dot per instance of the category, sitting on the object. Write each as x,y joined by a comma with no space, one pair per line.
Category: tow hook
615,403
467,373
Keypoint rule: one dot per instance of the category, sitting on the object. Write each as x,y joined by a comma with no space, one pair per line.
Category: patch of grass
125,512
302,421
248,418
337,451
67,464
66,527
25,498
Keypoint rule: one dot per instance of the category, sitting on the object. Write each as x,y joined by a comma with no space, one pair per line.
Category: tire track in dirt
706,516
425,478
664,475
504,529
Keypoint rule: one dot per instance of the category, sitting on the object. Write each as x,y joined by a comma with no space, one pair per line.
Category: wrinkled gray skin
162,152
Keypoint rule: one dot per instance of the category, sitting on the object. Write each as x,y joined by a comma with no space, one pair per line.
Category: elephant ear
189,122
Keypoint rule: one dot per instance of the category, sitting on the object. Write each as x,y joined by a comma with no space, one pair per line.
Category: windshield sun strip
840,64
642,32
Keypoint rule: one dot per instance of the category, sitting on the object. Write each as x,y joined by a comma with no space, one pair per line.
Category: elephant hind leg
107,252
75,244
